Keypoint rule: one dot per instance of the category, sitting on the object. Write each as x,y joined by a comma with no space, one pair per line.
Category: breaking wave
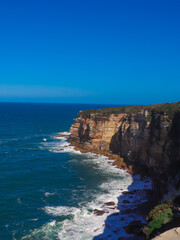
88,220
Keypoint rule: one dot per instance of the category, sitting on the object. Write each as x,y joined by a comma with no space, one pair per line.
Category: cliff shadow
83,135
174,148
133,205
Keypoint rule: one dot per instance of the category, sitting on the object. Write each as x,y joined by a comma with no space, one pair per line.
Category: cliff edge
146,137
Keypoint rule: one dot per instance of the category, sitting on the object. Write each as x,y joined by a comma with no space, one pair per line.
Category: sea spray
81,222
34,176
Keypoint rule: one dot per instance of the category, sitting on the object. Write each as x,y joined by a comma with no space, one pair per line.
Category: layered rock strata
146,137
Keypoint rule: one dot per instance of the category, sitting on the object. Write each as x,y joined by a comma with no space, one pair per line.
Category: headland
143,140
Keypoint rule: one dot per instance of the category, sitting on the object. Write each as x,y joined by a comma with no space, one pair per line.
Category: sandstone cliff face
148,139
96,131
143,138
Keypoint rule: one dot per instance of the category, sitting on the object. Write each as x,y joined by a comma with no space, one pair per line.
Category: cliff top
168,108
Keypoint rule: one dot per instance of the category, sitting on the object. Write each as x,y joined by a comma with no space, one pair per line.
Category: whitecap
65,133
53,223
61,138
63,147
59,144
59,211
19,200
84,225
47,194
47,231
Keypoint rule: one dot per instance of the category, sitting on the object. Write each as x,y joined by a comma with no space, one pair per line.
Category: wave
61,211
62,146
65,133
87,220
47,194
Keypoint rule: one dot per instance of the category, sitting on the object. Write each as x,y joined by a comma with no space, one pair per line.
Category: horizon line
77,103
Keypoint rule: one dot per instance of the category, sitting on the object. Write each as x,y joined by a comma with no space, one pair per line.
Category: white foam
59,211
60,145
33,219
84,224
64,147
53,223
65,133
19,200
13,235
47,232
62,138
47,194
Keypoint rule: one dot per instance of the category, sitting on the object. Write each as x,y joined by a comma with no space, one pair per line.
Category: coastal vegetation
163,217
169,108
143,140
159,215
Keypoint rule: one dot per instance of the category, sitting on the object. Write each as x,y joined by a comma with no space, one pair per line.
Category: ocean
49,190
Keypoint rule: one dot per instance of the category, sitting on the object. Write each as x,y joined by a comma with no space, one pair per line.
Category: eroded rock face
147,138
137,137
96,131
143,138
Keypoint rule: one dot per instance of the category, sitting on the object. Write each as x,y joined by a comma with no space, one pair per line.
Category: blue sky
122,52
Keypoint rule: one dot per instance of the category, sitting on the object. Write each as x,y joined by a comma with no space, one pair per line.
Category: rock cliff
146,136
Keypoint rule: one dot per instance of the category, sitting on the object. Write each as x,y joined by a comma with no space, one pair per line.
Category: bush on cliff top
159,216
168,108
160,219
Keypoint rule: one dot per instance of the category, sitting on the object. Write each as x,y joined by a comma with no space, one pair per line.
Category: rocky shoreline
126,207
143,140
129,212
118,161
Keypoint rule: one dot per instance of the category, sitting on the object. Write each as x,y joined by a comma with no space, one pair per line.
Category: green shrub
159,209
160,219
168,108
158,216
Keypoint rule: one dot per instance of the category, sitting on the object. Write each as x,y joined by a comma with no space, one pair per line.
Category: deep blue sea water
48,190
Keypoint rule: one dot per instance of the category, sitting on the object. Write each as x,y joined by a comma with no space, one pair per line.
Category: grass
159,220
158,209
168,108
158,216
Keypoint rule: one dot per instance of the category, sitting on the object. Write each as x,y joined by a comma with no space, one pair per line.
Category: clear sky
90,51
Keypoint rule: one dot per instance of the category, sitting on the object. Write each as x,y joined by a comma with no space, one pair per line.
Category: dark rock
116,214
98,212
109,203
125,192
127,211
134,227
62,135
113,207
146,136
